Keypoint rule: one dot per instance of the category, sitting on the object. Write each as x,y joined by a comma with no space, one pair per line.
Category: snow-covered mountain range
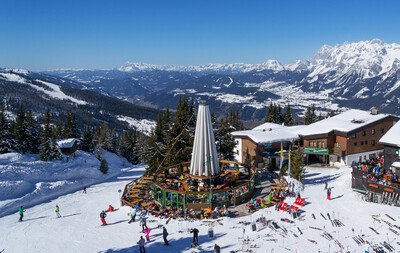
40,92
359,74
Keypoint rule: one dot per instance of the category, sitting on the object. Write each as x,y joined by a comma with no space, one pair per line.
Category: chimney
374,111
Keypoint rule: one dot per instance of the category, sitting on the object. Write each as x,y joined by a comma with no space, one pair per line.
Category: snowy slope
25,180
80,231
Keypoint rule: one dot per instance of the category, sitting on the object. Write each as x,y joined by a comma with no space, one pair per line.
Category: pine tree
278,114
310,116
48,149
103,166
320,117
269,117
288,118
296,165
157,146
86,142
128,146
225,141
20,131
71,126
180,141
32,133
7,142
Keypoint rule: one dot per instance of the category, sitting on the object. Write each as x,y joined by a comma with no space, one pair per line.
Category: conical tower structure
204,154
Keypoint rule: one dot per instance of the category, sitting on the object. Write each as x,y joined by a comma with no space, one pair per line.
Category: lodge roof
345,122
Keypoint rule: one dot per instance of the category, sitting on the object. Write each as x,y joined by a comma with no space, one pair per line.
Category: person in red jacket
111,208
103,216
328,193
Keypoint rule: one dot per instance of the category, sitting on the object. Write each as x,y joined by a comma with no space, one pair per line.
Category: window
373,131
365,142
323,144
337,144
355,143
354,136
361,143
382,130
373,142
364,133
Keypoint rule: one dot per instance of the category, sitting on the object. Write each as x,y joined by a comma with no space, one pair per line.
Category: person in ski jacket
217,248
141,245
165,234
195,232
328,193
111,208
103,216
58,211
147,233
143,223
21,213
132,214
84,189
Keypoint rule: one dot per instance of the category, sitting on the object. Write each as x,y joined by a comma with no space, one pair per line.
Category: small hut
68,147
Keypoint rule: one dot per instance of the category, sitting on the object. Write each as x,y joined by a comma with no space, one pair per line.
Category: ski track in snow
80,231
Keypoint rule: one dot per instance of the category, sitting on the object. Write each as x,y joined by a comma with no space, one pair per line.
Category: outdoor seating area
373,171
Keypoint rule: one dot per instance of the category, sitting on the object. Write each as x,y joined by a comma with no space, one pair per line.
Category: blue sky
48,34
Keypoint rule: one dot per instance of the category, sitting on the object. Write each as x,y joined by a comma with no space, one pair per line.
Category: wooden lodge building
261,146
352,136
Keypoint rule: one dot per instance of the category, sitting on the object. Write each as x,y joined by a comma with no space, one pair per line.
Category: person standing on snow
147,233
141,245
328,193
132,214
58,211
103,216
84,189
217,248
143,223
195,232
21,213
165,234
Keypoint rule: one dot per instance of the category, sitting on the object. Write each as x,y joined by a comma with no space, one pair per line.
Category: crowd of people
376,173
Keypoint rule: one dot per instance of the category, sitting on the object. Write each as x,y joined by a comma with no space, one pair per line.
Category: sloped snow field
79,229
25,180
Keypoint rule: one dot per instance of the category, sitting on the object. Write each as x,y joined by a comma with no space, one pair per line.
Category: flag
282,157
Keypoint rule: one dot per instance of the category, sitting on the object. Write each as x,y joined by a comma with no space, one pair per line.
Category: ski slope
79,230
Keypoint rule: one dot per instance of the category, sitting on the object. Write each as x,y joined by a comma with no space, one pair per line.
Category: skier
326,185
58,211
217,248
195,232
165,234
328,193
143,223
132,214
103,216
141,245
147,233
84,189
21,213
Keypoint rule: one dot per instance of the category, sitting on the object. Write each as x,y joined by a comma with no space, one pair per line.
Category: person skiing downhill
132,214
21,213
103,216
165,234
58,211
